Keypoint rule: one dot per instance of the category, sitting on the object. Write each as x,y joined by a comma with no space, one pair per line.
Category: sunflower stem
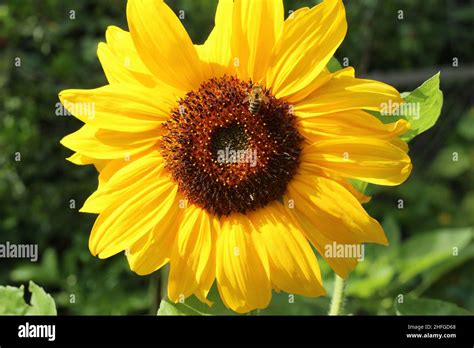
337,301
155,286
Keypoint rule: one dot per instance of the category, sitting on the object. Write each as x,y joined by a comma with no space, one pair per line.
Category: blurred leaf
451,162
464,13
366,286
46,272
423,251
334,65
392,231
466,126
443,268
457,286
12,301
467,206
424,306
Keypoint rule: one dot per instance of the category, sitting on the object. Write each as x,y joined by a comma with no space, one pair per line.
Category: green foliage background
58,53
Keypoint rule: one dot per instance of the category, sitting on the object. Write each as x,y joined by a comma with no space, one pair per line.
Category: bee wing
265,99
246,99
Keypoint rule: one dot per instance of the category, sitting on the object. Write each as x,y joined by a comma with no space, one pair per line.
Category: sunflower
233,161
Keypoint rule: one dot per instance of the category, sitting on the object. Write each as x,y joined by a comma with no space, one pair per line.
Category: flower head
229,159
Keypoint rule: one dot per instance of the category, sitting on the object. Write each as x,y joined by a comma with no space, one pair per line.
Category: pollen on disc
225,158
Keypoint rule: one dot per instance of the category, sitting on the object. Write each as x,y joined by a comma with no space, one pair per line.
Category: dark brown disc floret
226,158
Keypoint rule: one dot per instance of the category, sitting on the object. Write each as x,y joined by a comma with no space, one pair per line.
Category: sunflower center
232,137
228,151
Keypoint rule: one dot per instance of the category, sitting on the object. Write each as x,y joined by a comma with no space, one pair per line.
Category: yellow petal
193,257
107,144
124,108
368,159
216,50
242,268
153,250
362,198
318,235
355,123
132,215
257,26
344,92
307,169
302,93
164,45
112,166
309,40
327,213
124,180
100,164
121,45
293,265
206,282
80,160
117,71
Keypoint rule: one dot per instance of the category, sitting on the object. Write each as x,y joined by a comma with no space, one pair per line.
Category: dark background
58,53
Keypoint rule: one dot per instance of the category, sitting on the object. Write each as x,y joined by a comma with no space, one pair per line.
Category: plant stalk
337,301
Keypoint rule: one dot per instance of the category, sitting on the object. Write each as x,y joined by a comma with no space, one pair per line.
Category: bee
255,98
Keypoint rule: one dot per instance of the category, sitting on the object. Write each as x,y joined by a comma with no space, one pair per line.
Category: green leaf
424,251
422,108
334,65
12,301
193,306
425,306
289,304
169,308
429,98
41,302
